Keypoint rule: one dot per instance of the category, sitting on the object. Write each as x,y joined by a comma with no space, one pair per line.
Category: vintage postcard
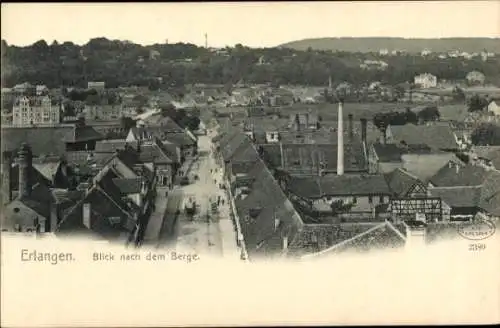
254,163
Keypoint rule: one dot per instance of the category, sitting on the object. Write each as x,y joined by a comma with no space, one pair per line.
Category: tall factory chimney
363,137
351,133
363,130
340,142
25,168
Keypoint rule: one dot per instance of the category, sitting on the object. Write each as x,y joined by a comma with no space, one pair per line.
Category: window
114,220
354,200
370,199
381,199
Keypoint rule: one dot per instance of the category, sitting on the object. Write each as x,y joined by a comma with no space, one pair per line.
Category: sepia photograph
250,163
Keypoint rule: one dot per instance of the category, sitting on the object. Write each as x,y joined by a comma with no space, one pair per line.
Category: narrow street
207,232
210,231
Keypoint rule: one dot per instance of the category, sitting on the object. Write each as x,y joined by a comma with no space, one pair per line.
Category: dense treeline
122,63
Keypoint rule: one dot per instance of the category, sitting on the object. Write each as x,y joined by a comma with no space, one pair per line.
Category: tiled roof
268,202
230,148
154,152
464,175
490,193
314,238
36,177
110,146
43,140
180,139
84,133
491,153
339,185
381,236
309,156
388,152
458,196
436,136
128,185
400,181
425,166
172,151
168,125
102,207
245,153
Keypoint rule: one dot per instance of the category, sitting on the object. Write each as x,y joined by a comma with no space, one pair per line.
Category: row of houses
104,190
400,188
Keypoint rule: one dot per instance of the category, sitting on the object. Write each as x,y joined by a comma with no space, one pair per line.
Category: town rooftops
380,236
168,124
128,185
458,196
339,185
490,153
49,139
266,214
436,136
391,153
401,181
456,174
490,194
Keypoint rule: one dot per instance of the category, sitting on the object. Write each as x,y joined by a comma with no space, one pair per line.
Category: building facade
35,110
426,80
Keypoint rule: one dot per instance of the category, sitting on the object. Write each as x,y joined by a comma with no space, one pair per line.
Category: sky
256,24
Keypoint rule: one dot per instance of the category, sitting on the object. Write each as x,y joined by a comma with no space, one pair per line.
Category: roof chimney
340,142
25,168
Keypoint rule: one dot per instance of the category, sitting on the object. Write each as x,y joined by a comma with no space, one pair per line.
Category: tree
430,113
458,94
339,207
486,134
477,103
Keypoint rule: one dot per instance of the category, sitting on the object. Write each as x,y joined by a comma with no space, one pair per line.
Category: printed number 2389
477,247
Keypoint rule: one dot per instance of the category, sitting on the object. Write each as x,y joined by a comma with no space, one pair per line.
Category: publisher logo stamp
477,230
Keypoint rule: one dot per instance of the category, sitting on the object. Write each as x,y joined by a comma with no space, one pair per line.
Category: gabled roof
48,170
401,181
180,139
232,145
339,185
388,152
168,124
458,196
491,153
128,185
258,211
455,175
110,146
436,136
46,140
380,236
154,152
102,207
490,194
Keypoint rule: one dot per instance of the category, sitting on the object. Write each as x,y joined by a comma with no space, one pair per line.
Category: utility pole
206,41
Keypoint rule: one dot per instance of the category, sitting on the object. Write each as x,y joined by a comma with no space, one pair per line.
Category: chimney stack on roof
340,143
25,168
